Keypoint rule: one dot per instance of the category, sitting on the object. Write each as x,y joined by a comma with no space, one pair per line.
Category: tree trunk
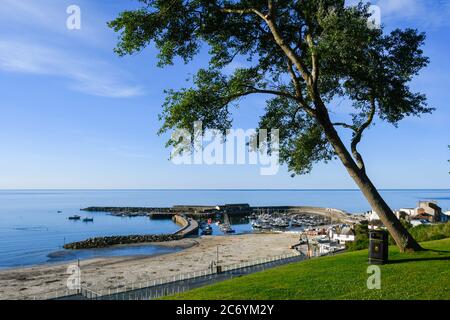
402,237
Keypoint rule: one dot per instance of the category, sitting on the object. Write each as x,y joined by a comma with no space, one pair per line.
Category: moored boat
206,229
226,228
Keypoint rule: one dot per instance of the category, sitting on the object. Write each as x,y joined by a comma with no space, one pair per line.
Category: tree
304,55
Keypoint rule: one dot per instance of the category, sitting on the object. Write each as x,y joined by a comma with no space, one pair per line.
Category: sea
34,224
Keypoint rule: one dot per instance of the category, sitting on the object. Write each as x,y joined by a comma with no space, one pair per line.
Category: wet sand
109,273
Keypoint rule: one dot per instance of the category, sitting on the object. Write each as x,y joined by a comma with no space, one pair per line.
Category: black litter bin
378,247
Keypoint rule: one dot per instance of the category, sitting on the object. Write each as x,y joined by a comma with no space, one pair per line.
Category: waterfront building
428,210
345,235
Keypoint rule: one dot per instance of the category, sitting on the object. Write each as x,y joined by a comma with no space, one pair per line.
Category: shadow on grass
438,251
412,259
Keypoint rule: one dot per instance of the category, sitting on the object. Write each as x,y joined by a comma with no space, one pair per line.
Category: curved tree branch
298,90
288,51
358,135
345,125
252,90
314,60
274,92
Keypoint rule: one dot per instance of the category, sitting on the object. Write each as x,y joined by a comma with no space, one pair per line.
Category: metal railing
186,277
123,288
260,261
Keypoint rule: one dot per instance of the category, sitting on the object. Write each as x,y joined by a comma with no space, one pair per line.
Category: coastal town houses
323,241
430,209
426,212
326,247
341,235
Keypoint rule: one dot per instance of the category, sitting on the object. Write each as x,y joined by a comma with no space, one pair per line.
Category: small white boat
226,228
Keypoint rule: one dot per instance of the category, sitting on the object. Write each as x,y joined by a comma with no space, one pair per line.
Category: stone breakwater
102,242
189,228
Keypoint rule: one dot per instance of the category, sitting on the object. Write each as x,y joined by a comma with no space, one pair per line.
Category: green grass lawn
422,275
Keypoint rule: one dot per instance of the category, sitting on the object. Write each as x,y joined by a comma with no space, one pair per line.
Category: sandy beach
109,273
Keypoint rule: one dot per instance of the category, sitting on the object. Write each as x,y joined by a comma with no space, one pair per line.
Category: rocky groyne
102,242
189,228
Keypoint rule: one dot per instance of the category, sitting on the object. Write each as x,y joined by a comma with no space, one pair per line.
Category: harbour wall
102,242
303,209
189,228
205,212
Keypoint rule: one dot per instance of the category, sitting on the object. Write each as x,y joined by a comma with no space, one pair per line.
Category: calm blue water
32,232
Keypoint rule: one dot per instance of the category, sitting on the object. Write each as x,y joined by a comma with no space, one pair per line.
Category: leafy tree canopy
303,54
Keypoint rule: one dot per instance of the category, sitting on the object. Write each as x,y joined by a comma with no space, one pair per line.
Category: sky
75,115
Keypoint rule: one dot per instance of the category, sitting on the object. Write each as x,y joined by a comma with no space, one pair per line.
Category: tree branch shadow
412,259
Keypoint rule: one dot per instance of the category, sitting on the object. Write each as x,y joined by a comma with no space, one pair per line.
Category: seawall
189,228
102,242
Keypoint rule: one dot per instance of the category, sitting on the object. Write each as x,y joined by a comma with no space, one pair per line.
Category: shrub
429,233
361,238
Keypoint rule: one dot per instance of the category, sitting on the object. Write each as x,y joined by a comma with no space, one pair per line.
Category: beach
110,273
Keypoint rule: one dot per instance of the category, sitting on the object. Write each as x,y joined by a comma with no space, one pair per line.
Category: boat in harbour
75,217
206,229
226,228
280,223
88,219
256,224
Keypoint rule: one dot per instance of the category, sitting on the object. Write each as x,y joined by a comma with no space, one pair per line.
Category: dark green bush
362,238
433,232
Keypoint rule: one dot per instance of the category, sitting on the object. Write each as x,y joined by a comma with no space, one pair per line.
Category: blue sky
74,115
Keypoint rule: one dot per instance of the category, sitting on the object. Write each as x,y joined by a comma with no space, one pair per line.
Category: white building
405,213
329,247
372,216
344,236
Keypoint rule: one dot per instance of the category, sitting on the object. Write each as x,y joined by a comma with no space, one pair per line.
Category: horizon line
215,189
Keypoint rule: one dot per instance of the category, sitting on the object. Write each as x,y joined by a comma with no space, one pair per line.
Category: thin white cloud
50,16
426,13
85,75
405,8
43,45
25,10
430,13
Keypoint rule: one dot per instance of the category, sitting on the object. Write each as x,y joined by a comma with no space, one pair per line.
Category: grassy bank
422,275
